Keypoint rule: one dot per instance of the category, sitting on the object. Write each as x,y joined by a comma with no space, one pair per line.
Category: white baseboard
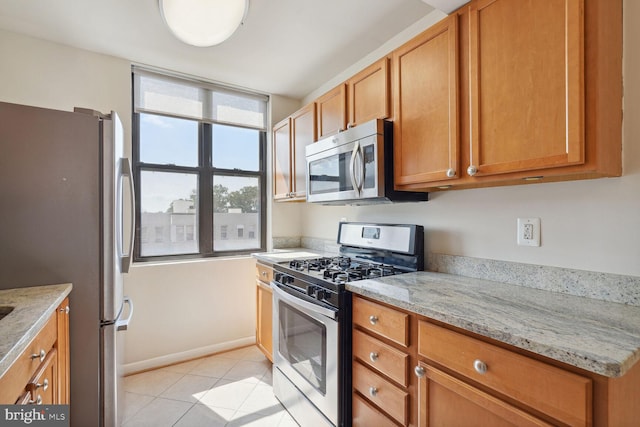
169,359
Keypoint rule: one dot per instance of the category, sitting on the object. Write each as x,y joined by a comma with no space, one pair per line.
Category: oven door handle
302,304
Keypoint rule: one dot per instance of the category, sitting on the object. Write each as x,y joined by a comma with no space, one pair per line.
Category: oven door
305,343
345,172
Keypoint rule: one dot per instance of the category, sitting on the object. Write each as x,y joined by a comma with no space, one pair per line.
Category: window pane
169,210
168,141
236,148
236,207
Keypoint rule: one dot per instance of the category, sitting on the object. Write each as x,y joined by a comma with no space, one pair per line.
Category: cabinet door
282,160
527,85
332,112
426,106
303,131
264,321
63,352
369,93
446,401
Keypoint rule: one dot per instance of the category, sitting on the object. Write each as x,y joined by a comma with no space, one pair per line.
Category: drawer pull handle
40,355
373,356
419,371
480,366
373,391
264,274
373,319
38,400
44,385
64,310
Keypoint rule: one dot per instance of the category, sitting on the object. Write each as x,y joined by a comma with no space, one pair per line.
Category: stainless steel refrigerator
65,186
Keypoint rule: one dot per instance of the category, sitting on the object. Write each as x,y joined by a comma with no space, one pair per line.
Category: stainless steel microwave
355,167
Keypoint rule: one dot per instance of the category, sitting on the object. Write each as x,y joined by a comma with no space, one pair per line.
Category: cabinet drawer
12,384
264,273
44,383
381,357
384,394
382,320
365,415
563,395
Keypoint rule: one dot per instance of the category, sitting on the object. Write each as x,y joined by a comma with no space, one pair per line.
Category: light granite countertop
598,336
283,255
32,308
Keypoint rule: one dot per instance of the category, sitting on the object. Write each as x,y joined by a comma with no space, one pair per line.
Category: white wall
588,225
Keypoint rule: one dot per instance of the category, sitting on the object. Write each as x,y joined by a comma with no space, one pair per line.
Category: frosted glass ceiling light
203,22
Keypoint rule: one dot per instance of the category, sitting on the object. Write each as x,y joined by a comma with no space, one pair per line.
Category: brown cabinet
381,363
331,111
264,312
496,95
368,94
563,396
426,106
290,137
41,373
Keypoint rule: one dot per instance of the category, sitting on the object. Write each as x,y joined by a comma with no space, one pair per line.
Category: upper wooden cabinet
426,106
290,137
527,85
332,111
368,94
539,85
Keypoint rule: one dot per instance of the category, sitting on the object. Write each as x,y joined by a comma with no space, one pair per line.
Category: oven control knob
311,291
321,294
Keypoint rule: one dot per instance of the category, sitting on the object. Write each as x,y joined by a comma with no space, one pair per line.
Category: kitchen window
199,153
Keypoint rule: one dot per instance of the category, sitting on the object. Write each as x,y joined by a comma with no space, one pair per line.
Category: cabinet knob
349,125
40,355
451,173
373,391
480,366
38,400
419,371
472,170
373,356
373,319
264,274
64,310
44,385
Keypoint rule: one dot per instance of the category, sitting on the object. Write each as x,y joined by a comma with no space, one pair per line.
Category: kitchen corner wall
589,225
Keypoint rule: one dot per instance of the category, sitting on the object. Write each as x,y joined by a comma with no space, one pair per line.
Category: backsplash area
603,286
590,284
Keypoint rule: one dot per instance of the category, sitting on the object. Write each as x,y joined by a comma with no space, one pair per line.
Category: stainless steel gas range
312,317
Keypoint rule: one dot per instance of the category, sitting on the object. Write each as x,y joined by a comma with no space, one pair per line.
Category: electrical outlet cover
528,231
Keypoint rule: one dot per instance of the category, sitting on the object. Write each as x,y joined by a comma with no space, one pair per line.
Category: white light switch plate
529,231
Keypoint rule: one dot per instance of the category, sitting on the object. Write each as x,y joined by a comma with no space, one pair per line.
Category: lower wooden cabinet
40,375
264,310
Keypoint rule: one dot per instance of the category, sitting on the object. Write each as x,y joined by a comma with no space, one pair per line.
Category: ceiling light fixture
203,23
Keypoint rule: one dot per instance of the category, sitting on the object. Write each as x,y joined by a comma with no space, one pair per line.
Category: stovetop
343,269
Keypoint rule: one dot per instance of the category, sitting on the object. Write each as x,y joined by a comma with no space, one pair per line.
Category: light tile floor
228,389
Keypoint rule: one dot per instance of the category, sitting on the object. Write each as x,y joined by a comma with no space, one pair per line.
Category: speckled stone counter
598,336
32,308
282,255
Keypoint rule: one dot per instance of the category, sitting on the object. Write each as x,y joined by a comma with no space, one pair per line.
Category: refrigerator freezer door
111,406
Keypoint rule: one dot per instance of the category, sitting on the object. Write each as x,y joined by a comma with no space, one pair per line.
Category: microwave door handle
352,165
362,171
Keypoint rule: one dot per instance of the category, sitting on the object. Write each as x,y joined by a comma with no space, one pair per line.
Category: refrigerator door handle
127,171
123,324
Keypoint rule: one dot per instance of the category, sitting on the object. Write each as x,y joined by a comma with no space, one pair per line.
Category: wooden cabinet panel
62,345
282,160
527,85
426,106
562,395
446,401
331,112
369,93
44,384
264,310
303,131
381,357
382,320
391,399
365,415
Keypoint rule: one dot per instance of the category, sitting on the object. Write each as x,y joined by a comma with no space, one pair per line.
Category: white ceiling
285,47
